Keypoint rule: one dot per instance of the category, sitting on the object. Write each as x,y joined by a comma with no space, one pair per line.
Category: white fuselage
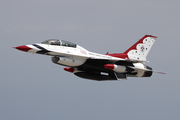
70,56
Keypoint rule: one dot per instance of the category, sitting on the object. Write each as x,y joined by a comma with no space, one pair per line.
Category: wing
98,64
114,59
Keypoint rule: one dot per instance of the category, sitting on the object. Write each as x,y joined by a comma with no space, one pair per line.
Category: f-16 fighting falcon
100,67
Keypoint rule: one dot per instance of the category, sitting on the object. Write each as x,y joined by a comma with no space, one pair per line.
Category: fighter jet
94,66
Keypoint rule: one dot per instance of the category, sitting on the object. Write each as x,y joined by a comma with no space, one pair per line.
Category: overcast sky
34,88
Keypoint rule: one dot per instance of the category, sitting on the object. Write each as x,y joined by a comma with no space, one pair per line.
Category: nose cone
23,48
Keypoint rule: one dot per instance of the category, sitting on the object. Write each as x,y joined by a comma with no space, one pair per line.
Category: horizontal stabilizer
135,61
146,69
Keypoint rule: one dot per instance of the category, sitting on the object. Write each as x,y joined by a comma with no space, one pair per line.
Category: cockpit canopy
59,43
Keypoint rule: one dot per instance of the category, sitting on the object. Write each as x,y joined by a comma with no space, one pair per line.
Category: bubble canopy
57,42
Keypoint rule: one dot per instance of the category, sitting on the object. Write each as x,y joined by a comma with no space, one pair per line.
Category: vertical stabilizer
140,49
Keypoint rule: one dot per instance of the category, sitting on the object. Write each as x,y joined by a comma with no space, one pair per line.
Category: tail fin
140,49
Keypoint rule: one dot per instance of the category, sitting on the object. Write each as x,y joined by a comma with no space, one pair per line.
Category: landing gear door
120,76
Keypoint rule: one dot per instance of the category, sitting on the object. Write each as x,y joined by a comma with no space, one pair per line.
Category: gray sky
33,88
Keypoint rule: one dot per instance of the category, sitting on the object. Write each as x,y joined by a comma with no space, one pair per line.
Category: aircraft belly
94,65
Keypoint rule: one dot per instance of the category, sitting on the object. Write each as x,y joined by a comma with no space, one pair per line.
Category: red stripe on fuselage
119,55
